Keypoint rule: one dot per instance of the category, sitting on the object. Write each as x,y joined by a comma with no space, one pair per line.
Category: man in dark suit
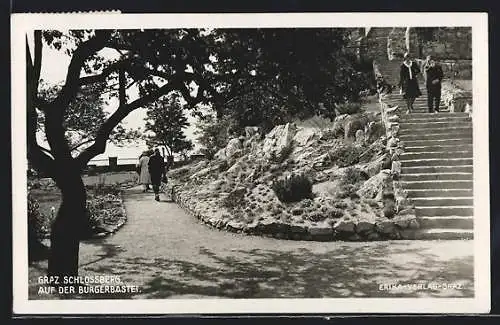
434,76
156,167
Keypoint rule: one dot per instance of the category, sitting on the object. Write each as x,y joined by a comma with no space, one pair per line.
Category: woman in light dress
144,176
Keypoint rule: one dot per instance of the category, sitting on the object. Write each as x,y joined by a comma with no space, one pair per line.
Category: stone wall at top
446,43
452,46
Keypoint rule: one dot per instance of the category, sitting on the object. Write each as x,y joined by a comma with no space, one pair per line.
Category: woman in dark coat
408,82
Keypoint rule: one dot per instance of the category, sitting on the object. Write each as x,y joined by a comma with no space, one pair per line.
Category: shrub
336,214
345,155
38,224
103,189
103,208
353,176
316,217
293,188
38,229
235,198
94,209
348,190
341,205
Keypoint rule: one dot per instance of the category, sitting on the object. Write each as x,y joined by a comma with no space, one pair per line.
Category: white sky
53,71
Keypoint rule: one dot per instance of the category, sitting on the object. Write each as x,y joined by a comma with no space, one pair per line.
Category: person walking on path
434,76
144,176
157,171
408,82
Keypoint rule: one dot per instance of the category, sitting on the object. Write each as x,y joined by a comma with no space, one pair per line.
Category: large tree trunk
69,225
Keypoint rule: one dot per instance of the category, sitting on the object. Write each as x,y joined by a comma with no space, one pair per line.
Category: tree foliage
166,120
84,117
213,134
272,75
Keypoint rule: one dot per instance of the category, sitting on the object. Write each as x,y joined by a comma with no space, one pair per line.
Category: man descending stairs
437,171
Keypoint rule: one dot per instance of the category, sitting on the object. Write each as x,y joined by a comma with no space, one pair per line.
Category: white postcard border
23,23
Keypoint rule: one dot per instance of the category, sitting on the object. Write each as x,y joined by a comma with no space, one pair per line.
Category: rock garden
334,182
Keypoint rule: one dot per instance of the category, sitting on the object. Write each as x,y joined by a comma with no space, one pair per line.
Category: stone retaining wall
390,118
400,227
456,99
452,47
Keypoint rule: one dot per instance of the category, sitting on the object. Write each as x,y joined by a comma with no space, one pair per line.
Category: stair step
442,234
437,142
435,125
432,115
451,134
437,169
437,118
436,162
433,154
454,222
437,176
459,210
436,130
425,110
425,193
439,148
448,184
442,201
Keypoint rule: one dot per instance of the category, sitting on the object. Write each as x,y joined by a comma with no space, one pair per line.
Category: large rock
233,146
305,135
323,230
385,227
221,154
278,139
396,168
374,167
360,136
364,227
344,226
375,185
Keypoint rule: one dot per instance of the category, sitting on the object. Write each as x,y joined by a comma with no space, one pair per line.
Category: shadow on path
169,254
301,274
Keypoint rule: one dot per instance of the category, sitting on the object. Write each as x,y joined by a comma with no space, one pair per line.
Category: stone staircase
437,163
437,171
390,70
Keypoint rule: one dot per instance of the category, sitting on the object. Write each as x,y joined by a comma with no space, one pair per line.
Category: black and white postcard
250,163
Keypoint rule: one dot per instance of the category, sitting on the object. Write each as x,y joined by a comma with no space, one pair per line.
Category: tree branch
47,151
83,52
122,96
37,65
54,117
40,160
103,75
81,144
107,127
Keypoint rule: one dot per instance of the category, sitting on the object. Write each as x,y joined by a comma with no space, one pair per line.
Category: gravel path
168,254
